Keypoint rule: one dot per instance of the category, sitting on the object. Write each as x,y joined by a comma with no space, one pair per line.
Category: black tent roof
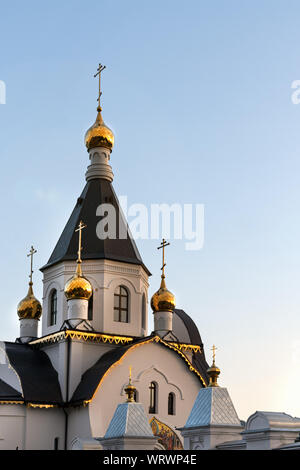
38,377
96,192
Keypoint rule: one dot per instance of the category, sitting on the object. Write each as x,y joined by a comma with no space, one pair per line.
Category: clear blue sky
199,97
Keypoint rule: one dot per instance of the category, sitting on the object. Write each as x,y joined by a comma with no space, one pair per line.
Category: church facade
61,390
96,378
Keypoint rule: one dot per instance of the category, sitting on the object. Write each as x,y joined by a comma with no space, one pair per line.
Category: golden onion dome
29,307
213,373
99,135
78,287
163,299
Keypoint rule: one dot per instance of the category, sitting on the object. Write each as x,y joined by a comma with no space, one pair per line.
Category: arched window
143,312
136,396
153,397
90,308
121,301
53,307
171,404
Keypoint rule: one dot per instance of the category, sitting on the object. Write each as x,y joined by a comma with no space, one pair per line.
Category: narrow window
171,404
153,398
90,308
56,443
53,308
121,304
144,312
136,396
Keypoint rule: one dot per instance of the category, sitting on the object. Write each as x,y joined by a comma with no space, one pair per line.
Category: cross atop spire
81,226
213,349
163,245
99,71
31,253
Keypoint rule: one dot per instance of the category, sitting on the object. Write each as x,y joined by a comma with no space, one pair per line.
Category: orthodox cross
81,226
213,349
31,253
99,70
163,245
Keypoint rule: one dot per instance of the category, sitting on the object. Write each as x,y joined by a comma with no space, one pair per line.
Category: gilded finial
99,135
81,226
99,71
78,287
130,389
163,299
213,371
30,307
163,245
31,253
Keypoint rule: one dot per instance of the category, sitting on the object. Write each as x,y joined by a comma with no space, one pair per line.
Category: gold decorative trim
187,347
155,339
86,336
40,405
11,402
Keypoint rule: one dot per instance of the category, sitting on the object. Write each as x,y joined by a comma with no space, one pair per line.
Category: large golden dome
99,135
163,299
29,307
78,287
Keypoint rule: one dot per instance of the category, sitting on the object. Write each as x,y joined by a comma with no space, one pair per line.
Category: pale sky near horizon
198,95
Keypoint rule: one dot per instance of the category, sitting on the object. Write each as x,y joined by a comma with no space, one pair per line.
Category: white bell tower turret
114,269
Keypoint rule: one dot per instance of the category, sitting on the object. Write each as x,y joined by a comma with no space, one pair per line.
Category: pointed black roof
97,191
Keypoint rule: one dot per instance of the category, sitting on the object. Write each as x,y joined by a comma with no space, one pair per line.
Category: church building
62,390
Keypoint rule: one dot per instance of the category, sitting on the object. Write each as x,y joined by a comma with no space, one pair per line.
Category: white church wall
83,355
105,276
42,426
57,353
12,427
79,428
149,362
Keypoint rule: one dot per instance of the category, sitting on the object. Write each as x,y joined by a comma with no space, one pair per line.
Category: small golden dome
29,307
99,135
213,373
163,299
78,287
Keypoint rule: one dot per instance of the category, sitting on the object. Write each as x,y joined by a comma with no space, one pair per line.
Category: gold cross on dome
213,349
163,245
31,253
99,70
81,226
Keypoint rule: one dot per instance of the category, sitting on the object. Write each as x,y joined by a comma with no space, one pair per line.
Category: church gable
166,383
93,377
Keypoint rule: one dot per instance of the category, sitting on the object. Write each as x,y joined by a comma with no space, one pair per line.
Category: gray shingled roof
213,406
129,420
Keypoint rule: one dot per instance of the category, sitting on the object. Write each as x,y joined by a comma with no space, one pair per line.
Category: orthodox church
61,390
96,379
